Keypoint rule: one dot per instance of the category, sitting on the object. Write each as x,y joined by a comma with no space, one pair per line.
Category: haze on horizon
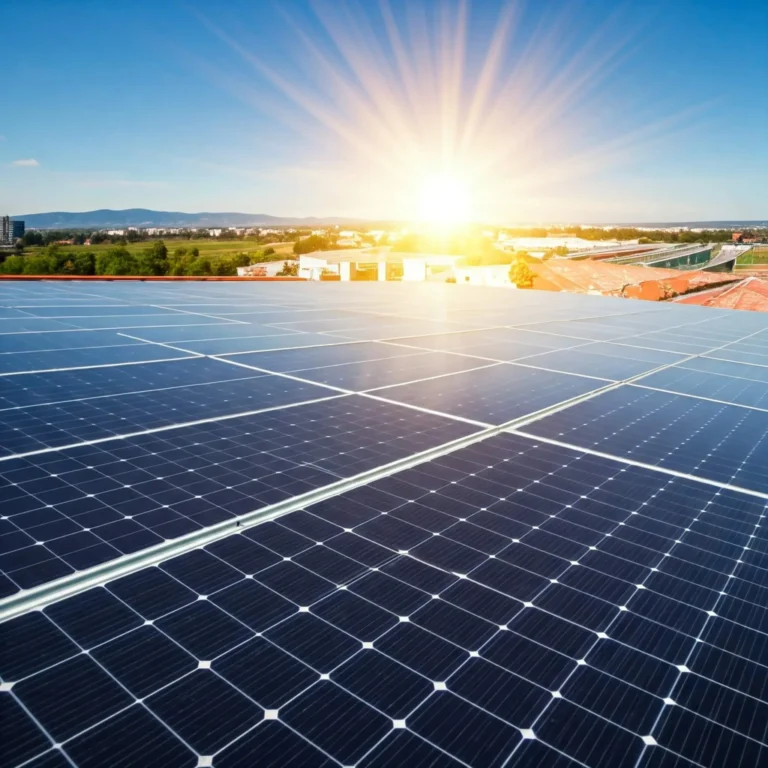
493,111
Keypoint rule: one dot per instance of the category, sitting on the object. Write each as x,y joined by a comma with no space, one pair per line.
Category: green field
758,255
206,247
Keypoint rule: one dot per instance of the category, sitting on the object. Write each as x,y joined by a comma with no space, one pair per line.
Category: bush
13,265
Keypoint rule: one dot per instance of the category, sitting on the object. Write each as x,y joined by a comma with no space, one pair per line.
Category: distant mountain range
143,217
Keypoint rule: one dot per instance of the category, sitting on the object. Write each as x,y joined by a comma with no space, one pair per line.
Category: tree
153,260
290,269
115,261
311,244
520,274
32,237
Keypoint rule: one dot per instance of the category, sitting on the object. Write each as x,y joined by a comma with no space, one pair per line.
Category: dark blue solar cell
418,574
296,583
21,737
481,601
403,745
389,593
454,624
616,701
186,706
587,737
93,617
337,722
151,592
314,642
52,759
448,555
423,517
393,533
528,659
273,536
202,572
144,660
505,695
463,730
704,741
590,612
264,672
383,683
639,669
422,651
128,735
253,604
276,746
204,630
651,638
554,632
353,615
509,579
723,705
533,752
311,526
243,554
71,696
329,564
30,643
360,549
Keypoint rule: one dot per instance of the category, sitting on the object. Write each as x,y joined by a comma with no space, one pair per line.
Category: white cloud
29,162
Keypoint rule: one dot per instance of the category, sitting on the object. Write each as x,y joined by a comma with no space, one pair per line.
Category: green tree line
154,260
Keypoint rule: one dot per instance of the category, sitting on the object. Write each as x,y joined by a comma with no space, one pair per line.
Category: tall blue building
10,231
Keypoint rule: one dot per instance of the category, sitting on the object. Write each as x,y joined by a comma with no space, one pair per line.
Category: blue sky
556,110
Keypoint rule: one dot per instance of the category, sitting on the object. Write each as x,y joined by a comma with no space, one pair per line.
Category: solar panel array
380,525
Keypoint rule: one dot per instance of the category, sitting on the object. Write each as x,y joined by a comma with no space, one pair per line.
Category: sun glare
445,202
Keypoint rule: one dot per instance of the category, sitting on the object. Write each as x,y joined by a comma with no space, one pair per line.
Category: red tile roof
750,294
637,282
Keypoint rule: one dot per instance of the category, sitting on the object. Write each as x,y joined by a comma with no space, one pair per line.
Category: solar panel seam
103,365
700,397
200,314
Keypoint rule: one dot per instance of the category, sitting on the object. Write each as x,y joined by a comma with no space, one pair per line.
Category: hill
144,217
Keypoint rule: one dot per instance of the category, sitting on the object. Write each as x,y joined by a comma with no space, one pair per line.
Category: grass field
206,247
758,255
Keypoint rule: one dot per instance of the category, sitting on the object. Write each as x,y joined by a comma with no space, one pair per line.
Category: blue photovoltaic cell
511,602
584,588
494,395
711,440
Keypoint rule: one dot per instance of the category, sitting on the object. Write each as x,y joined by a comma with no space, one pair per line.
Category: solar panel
204,563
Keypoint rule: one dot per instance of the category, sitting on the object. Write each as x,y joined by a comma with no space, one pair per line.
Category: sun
445,202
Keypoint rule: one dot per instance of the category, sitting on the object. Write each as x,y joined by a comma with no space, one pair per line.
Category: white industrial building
376,264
